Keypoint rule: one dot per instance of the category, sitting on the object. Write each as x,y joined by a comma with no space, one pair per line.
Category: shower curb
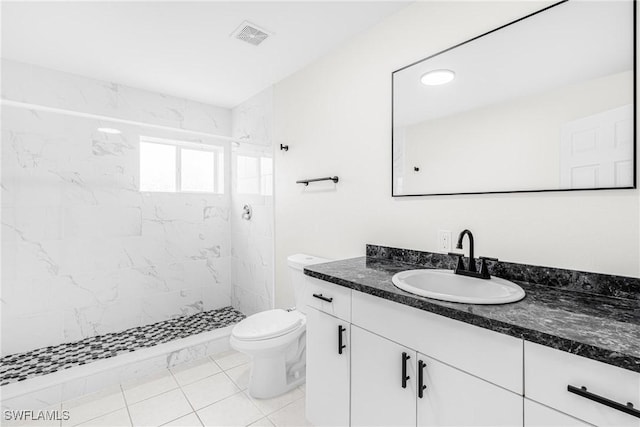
47,390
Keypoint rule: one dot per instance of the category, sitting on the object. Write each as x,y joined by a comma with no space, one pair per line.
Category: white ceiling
182,48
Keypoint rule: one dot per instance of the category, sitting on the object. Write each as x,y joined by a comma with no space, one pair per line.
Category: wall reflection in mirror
545,103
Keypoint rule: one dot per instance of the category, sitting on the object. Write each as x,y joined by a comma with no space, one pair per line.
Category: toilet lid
267,324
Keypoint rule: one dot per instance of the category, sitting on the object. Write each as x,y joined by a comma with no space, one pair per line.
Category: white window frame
218,163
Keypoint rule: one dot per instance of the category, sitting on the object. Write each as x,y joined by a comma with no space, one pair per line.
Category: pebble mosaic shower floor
46,360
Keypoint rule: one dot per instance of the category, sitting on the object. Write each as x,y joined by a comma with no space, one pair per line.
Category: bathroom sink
445,285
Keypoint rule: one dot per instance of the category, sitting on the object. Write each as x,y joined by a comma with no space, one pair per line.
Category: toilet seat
267,325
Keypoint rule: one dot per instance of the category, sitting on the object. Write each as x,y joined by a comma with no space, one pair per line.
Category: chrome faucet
471,270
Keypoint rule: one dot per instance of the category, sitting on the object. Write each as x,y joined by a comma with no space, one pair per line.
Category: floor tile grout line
245,392
155,374
186,398
219,400
168,372
210,357
166,392
95,418
282,407
240,390
288,404
231,379
195,381
224,398
153,397
101,415
126,404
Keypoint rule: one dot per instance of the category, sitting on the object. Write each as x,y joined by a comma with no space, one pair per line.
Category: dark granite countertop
598,327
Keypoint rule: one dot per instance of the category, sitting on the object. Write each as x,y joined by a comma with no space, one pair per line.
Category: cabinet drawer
548,372
324,296
490,355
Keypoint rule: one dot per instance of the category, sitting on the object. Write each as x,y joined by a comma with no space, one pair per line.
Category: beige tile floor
208,392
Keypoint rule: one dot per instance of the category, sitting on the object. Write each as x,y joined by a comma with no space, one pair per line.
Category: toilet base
269,378
278,369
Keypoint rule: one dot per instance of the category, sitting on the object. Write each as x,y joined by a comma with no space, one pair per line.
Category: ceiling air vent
250,33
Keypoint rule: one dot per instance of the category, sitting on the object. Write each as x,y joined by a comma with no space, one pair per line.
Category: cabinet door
537,415
455,398
327,369
378,397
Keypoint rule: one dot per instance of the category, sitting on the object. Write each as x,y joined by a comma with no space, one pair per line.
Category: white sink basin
447,286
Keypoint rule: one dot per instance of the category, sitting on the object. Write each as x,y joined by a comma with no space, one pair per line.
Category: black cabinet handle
323,298
421,386
405,377
341,329
582,391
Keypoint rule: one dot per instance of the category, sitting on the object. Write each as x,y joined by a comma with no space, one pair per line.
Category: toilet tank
297,263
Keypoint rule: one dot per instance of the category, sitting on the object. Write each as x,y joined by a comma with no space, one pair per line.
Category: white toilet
275,339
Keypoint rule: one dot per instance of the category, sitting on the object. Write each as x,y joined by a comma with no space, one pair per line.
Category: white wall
83,251
252,240
335,115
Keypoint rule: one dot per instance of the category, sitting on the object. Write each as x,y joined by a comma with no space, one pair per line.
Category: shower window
180,166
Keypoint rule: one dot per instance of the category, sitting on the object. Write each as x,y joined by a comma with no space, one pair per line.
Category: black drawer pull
421,386
582,391
323,298
341,346
405,377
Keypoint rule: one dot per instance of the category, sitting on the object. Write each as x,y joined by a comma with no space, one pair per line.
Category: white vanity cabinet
328,374
470,375
394,385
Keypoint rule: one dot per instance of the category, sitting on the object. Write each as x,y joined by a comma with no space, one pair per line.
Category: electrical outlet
444,241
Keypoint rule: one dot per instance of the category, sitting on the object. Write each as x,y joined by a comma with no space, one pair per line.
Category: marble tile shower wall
252,241
83,251
32,84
